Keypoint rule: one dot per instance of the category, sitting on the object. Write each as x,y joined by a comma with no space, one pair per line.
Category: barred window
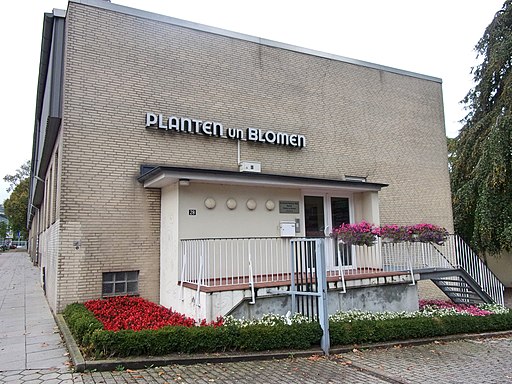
120,283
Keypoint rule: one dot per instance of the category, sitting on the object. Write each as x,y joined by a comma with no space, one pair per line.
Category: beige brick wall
357,120
48,251
427,290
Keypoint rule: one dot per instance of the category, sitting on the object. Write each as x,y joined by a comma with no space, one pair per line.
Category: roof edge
148,172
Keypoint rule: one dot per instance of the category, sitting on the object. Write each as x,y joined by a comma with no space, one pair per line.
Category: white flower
287,318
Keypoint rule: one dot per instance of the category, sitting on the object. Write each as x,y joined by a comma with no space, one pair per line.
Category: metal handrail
455,253
473,265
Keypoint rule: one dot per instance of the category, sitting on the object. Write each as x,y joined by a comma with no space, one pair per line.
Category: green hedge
81,323
372,331
96,341
93,339
205,339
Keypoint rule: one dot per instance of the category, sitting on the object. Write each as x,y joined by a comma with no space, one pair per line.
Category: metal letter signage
216,129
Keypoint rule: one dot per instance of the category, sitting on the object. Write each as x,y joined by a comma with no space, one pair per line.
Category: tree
17,203
4,228
482,170
16,208
21,173
452,151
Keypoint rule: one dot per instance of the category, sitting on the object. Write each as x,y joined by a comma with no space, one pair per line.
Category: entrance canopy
160,176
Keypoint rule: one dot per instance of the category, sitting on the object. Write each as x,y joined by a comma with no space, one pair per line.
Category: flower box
362,233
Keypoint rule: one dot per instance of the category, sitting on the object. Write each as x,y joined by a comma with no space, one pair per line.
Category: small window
120,283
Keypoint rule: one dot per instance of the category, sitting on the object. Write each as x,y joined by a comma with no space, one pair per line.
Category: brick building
151,131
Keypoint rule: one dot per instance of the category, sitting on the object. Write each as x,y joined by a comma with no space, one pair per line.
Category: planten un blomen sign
216,129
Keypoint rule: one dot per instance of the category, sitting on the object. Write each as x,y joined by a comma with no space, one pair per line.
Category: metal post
251,277
183,266
293,246
200,276
340,264
323,317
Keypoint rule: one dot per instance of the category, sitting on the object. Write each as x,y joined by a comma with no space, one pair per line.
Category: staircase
458,286
462,275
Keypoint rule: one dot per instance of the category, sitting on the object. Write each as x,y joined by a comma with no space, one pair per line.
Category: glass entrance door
314,220
340,214
322,213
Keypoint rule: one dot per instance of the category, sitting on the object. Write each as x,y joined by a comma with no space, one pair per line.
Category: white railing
230,262
367,260
244,262
404,255
237,261
234,263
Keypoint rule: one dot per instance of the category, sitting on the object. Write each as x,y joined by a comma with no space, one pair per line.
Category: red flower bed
123,312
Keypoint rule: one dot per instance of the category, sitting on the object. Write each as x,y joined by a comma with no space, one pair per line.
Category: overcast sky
433,37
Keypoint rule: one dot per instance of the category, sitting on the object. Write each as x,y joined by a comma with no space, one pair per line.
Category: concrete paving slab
45,346
40,330
37,320
16,339
53,354
52,339
13,333
14,357
12,349
13,366
12,326
29,336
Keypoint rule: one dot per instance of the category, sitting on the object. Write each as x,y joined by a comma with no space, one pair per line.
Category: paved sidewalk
29,337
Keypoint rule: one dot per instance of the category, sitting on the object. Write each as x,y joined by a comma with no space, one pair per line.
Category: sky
434,38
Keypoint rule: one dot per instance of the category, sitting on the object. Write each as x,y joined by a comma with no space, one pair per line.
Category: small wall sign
192,212
288,206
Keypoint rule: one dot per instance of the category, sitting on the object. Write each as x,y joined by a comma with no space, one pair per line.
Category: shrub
100,343
280,336
369,331
179,339
436,318
81,322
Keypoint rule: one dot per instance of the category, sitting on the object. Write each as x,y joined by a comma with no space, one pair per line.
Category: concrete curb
142,362
74,352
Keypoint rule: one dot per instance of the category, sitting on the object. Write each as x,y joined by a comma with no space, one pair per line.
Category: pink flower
461,308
